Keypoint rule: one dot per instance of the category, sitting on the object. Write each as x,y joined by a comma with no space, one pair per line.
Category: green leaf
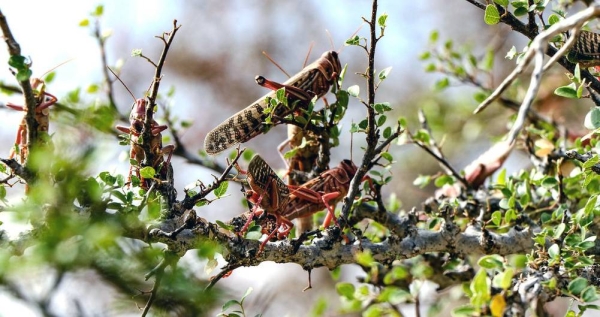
17,61
137,52
497,218
553,18
503,3
364,258
381,120
230,303
558,231
566,91
222,189
248,291
464,311
589,294
493,261
442,83
422,181
345,289
520,11
387,132
84,22
554,251
577,285
491,16
147,172
382,19
353,41
383,74
592,119
354,90
24,75
443,180
387,156
2,193
434,36
224,225
254,233
550,182
98,11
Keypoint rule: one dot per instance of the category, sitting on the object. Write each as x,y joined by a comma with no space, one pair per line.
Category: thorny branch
373,132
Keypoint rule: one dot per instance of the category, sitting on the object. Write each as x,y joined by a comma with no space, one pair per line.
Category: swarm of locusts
274,201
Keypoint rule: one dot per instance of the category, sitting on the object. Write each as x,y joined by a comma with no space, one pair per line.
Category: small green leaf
354,90
381,120
553,18
222,189
566,91
345,289
520,11
493,261
387,132
444,180
17,61
442,83
24,75
554,251
383,74
99,10
147,172
2,192
230,303
254,233
224,225
592,119
491,16
577,285
589,294
84,22
364,258
434,36
558,231
422,181
503,3
382,19
248,291
353,41
137,52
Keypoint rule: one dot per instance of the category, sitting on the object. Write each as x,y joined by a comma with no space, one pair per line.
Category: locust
271,195
311,82
44,101
586,50
136,120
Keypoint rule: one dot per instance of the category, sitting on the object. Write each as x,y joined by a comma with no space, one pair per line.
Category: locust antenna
275,63
310,47
57,66
119,78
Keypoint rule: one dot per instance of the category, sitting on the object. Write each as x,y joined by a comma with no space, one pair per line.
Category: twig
101,43
189,202
373,132
224,272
